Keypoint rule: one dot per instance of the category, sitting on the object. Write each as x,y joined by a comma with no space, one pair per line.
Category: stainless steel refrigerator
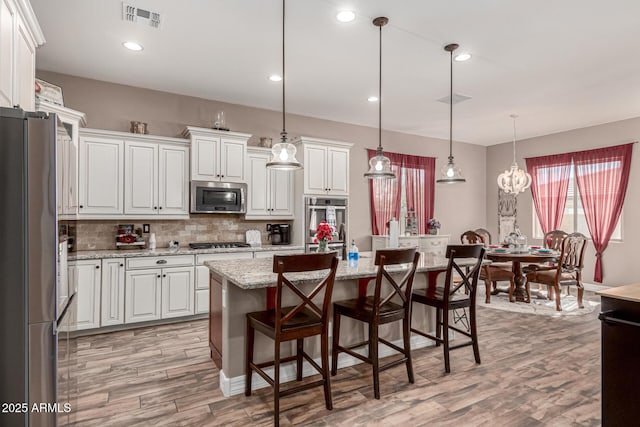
34,295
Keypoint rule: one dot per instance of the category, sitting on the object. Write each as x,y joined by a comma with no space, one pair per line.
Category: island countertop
627,292
258,273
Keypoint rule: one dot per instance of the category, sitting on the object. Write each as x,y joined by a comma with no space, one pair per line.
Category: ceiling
559,65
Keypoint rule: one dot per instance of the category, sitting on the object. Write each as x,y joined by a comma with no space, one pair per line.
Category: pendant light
515,180
283,154
380,165
450,173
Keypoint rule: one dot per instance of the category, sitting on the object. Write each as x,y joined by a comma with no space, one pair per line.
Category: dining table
516,258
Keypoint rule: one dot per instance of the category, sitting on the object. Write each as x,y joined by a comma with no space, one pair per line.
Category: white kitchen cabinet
270,193
435,244
101,176
326,166
173,180
85,277
69,122
217,155
177,292
112,306
20,35
143,295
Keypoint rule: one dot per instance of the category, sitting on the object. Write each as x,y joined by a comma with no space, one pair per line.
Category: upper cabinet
69,121
20,35
326,166
270,191
217,155
133,176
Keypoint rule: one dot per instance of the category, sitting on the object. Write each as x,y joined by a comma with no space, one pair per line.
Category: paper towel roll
394,232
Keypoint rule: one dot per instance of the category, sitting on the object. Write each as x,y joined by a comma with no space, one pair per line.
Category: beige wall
112,106
618,257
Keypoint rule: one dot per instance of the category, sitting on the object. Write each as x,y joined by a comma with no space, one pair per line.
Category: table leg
520,280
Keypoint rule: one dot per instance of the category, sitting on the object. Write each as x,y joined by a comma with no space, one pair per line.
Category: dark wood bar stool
294,323
378,310
449,298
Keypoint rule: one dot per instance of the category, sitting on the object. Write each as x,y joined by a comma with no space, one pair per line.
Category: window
574,219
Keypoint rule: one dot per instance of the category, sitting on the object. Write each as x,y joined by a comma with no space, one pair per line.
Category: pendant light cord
380,93
283,134
514,139
451,106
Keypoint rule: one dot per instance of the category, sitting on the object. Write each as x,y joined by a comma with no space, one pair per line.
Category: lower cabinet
177,292
435,244
85,276
143,295
112,307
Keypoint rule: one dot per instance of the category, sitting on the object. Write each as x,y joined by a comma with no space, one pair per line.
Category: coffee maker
279,234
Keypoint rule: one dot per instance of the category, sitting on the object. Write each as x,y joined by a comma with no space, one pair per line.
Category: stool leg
474,333
406,332
324,354
248,359
276,384
445,337
438,326
336,340
373,355
300,349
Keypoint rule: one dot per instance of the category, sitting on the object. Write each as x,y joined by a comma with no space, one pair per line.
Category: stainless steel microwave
218,197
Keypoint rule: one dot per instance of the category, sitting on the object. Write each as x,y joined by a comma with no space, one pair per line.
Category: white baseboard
595,288
235,385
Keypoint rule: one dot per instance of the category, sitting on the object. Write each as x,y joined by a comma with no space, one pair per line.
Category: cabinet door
205,159
258,188
281,200
177,292
25,56
173,180
232,161
112,309
7,62
315,170
86,279
142,295
338,171
140,178
202,301
101,174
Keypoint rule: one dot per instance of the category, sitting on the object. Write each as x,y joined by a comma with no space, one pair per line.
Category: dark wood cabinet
215,319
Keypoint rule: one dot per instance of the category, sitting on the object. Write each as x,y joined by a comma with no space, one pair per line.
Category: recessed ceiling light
136,47
346,16
461,57
275,78
372,99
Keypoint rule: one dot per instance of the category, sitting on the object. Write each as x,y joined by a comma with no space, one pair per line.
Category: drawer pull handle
161,261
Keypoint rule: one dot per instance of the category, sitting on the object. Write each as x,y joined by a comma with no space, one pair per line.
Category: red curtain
385,195
420,185
549,187
602,177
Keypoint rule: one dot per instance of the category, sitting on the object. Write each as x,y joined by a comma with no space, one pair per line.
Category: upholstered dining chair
283,324
568,270
551,240
490,274
446,298
379,309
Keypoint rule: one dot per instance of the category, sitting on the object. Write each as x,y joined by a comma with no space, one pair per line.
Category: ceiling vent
457,98
134,14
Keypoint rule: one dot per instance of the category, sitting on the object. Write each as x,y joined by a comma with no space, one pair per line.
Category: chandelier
514,180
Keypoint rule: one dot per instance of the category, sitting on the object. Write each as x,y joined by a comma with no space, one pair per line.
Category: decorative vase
322,245
433,231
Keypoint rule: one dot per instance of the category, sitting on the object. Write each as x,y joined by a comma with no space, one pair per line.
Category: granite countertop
131,253
258,273
627,292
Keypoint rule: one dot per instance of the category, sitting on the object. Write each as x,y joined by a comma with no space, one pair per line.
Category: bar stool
294,323
448,298
377,310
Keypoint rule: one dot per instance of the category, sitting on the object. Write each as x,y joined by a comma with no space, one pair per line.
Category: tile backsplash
100,234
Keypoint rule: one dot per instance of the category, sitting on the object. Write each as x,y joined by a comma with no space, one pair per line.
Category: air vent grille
134,14
457,98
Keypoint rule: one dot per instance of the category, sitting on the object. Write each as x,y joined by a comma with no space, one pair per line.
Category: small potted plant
433,226
324,234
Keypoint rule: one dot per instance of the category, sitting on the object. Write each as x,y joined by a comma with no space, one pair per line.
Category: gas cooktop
218,245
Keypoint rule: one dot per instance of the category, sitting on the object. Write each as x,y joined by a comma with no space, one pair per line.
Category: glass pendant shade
379,167
283,157
514,180
450,174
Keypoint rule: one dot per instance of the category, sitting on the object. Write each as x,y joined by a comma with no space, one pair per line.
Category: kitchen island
238,287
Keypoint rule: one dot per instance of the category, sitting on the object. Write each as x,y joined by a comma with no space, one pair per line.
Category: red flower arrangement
324,232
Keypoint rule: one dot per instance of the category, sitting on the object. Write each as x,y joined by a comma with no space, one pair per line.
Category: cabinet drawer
160,262
201,259
202,301
408,242
434,245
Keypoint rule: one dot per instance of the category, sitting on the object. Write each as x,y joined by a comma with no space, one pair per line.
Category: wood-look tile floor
535,371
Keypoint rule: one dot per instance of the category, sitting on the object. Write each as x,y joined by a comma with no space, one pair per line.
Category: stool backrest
403,287
304,263
469,278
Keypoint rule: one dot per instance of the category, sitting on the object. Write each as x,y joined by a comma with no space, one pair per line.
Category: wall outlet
268,227
146,228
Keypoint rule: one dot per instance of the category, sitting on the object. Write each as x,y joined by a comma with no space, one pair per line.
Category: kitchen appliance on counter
218,197
36,303
253,238
279,234
218,245
334,212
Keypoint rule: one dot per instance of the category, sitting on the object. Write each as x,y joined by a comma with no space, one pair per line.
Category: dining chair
551,240
568,270
448,297
282,324
490,274
379,309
